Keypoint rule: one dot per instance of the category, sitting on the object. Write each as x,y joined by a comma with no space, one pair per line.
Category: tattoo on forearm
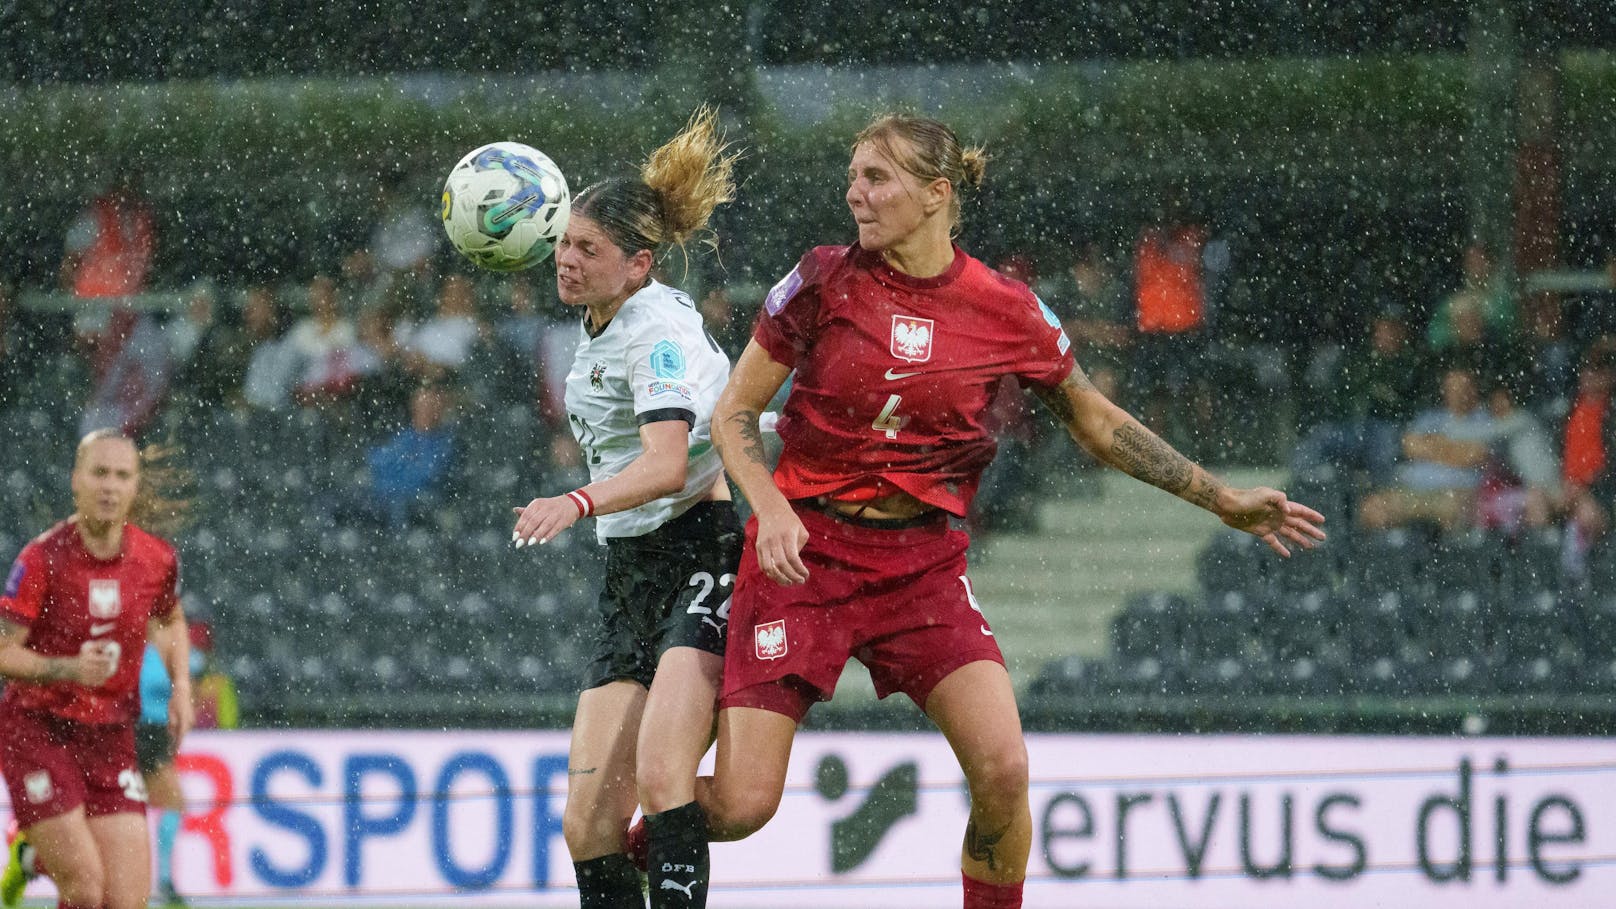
1143,455
981,846
584,772
746,426
1205,491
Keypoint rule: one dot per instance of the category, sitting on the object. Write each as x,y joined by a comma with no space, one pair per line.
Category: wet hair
160,504
930,151
677,190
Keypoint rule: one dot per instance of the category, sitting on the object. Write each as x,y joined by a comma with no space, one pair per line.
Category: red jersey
66,596
895,374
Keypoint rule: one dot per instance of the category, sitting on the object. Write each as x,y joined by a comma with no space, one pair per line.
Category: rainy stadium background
1415,713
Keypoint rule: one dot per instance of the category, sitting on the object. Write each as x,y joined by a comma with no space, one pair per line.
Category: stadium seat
1149,624
1224,625
1452,622
1378,626
1307,625
1388,562
1538,624
1072,677
1234,561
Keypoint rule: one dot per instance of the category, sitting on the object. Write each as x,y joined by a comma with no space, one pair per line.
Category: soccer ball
505,206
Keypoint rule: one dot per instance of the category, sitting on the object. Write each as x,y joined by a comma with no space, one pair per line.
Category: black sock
608,882
677,861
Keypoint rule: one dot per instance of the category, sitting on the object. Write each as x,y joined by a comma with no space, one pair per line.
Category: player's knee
662,788
82,885
590,832
739,813
1000,776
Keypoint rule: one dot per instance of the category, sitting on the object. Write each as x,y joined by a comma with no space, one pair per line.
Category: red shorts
52,766
898,600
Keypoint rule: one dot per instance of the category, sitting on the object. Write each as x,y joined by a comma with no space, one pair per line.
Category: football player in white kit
639,397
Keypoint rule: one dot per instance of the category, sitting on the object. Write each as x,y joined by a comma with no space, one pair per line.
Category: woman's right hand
780,538
96,662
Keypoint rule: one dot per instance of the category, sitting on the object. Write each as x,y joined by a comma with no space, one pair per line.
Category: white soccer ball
505,206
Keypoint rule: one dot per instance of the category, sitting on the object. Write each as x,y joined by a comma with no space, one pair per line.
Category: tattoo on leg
980,846
746,426
1143,455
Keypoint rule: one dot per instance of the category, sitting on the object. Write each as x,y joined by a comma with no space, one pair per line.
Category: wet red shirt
895,374
66,596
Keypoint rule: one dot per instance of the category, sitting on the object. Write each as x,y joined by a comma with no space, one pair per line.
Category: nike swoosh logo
986,632
98,630
900,375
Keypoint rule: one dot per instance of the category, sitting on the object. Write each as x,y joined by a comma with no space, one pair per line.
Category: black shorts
154,747
667,588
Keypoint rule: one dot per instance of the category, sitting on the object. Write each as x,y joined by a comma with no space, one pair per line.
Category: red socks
982,895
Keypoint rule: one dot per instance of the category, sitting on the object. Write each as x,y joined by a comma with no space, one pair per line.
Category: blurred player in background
80,602
639,397
155,750
898,343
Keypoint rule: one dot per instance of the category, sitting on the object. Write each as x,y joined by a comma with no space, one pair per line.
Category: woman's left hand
543,520
1266,513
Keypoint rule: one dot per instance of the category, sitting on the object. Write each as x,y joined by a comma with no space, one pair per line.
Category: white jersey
653,362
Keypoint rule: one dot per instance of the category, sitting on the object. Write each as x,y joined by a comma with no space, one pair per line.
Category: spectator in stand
1485,288
409,470
397,263
1522,485
107,256
1445,450
1366,402
272,363
1171,314
382,384
210,353
129,394
1588,445
323,342
440,347
1494,357
1092,302
1548,363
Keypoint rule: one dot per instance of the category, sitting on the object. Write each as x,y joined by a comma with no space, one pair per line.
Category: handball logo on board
37,786
769,639
105,601
911,338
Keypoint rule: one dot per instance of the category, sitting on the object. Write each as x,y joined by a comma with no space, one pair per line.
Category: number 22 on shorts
704,580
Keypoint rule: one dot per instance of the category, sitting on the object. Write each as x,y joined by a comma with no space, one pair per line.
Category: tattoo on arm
980,846
1143,455
746,426
1205,491
56,670
584,772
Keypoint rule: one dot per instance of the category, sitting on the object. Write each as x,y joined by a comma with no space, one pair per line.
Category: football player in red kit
898,343
78,607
